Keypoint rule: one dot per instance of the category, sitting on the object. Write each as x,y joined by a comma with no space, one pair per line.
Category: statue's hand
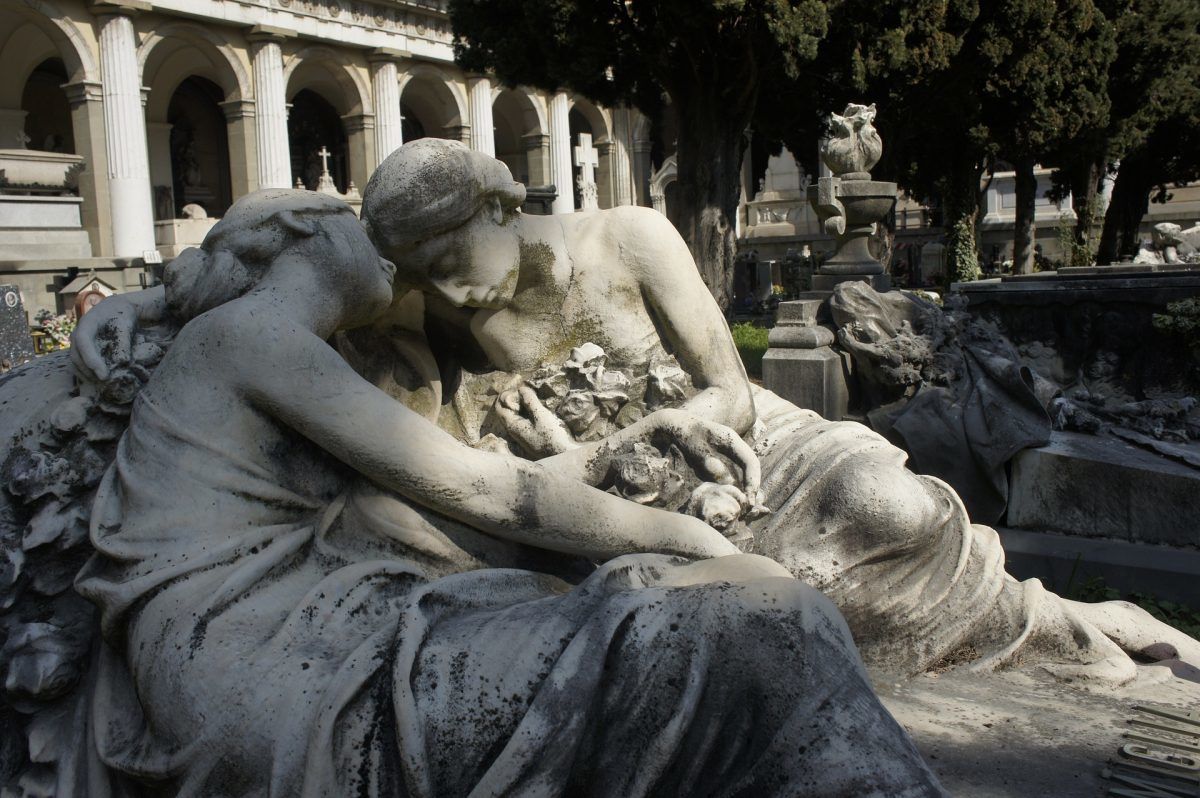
710,449
531,425
103,338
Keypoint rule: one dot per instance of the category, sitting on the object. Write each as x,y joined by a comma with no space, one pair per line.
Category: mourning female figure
266,635
919,584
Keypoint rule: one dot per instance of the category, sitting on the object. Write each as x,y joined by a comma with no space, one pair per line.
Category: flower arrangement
58,329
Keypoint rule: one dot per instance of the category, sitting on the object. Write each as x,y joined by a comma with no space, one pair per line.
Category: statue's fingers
121,341
508,400
717,471
732,446
86,356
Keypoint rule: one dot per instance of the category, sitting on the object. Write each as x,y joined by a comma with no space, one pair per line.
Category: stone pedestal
801,366
825,282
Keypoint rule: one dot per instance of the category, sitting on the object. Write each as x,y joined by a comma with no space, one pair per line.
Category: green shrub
751,343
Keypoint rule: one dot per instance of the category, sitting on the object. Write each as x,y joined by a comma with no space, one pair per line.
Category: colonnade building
127,127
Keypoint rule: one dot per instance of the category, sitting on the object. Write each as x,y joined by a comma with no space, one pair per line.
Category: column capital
474,77
536,141
83,91
126,8
238,109
384,55
355,123
604,147
268,33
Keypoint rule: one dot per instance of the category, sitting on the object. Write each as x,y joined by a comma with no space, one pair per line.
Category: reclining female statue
268,636
918,584
895,551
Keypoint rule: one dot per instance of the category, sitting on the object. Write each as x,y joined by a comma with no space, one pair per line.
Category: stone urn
849,203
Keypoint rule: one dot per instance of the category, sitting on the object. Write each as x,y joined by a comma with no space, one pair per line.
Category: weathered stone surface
826,282
802,312
1102,487
795,337
1019,735
813,379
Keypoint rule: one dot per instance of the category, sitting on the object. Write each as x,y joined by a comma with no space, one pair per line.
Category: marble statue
1170,244
919,585
306,588
948,389
434,596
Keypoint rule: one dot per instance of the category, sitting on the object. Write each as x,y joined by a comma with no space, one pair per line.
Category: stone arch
330,74
521,135
191,72
433,104
597,119
332,108
666,176
74,47
38,55
228,70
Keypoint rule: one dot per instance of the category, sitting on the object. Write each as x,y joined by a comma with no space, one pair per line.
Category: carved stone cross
587,158
324,154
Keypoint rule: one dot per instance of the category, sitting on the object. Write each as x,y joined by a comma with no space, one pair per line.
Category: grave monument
233,565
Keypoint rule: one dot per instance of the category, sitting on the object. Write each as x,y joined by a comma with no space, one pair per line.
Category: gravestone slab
1096,486
16,344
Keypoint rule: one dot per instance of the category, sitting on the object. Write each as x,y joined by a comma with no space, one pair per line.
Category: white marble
561,173
271,133
125,134
483,133
389,133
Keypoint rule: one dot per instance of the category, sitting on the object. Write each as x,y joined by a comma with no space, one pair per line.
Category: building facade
127,127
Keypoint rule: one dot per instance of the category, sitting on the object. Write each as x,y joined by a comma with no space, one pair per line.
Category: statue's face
474,266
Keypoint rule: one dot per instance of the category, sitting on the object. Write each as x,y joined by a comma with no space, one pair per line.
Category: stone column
604,174
360,145
132,211
620,163
537,151
162,184
643,168
561,173
483,131
86,100
385,82
243,150
274,153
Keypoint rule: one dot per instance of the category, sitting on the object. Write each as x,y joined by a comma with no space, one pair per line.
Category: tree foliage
710,59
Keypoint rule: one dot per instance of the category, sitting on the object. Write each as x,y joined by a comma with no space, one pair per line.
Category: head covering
241,247
429,187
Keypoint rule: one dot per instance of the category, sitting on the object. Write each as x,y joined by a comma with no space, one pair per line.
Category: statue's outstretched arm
692,325
319,395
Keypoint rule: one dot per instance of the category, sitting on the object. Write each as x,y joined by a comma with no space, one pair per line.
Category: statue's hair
429,187
242,246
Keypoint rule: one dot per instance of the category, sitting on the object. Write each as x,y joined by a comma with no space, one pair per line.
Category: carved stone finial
854,146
